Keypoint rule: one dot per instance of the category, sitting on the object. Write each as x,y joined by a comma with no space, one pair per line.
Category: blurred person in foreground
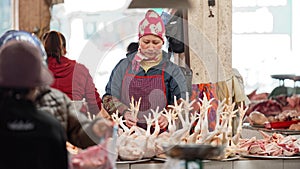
79,130
148,74
70,76
30,138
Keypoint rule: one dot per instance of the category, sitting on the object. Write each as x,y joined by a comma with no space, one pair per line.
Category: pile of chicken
136,143
271,145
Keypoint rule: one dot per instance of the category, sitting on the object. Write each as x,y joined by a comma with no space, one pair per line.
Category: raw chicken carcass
133,148
258,118
150,148
162,140
295,127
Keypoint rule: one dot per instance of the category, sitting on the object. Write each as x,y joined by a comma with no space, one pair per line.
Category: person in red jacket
70,76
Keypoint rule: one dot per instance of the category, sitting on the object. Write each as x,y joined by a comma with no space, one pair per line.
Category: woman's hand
130,120
162,122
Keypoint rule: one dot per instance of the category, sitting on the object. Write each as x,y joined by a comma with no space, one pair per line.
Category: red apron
151,89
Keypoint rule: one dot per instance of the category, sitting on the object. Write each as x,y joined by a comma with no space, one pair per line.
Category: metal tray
133,161
193,151
159,159
280,131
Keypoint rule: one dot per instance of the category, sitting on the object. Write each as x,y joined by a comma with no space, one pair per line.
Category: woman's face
150,46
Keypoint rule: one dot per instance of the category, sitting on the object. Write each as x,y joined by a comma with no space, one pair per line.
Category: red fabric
75,80
210,91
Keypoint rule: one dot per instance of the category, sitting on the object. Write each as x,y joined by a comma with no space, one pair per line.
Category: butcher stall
243,137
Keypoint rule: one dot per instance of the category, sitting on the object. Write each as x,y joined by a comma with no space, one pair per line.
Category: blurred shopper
147,74
30,138
71,77
80,131
132,47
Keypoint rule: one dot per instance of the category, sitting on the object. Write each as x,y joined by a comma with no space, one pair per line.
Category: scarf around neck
139,57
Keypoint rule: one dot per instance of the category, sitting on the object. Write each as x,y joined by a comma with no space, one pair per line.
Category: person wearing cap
70,76
30,138
147,74
79,130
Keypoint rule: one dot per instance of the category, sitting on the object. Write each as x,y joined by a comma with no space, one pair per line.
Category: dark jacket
77,126
174,80
75,80
30,138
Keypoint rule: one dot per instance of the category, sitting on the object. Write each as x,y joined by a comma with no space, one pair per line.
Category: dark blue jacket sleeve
114,84
177,84
111,99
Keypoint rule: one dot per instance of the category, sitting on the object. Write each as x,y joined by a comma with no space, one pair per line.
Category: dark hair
54,45
132,47
63,40
44,36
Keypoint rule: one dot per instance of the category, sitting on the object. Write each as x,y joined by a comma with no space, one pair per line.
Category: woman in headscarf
147,74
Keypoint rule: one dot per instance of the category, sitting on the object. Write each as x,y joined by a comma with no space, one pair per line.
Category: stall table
235,163
244,163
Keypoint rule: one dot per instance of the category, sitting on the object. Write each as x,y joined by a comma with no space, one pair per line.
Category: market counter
144,165
243,163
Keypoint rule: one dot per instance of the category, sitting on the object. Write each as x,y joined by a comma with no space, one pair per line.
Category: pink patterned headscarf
152,24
